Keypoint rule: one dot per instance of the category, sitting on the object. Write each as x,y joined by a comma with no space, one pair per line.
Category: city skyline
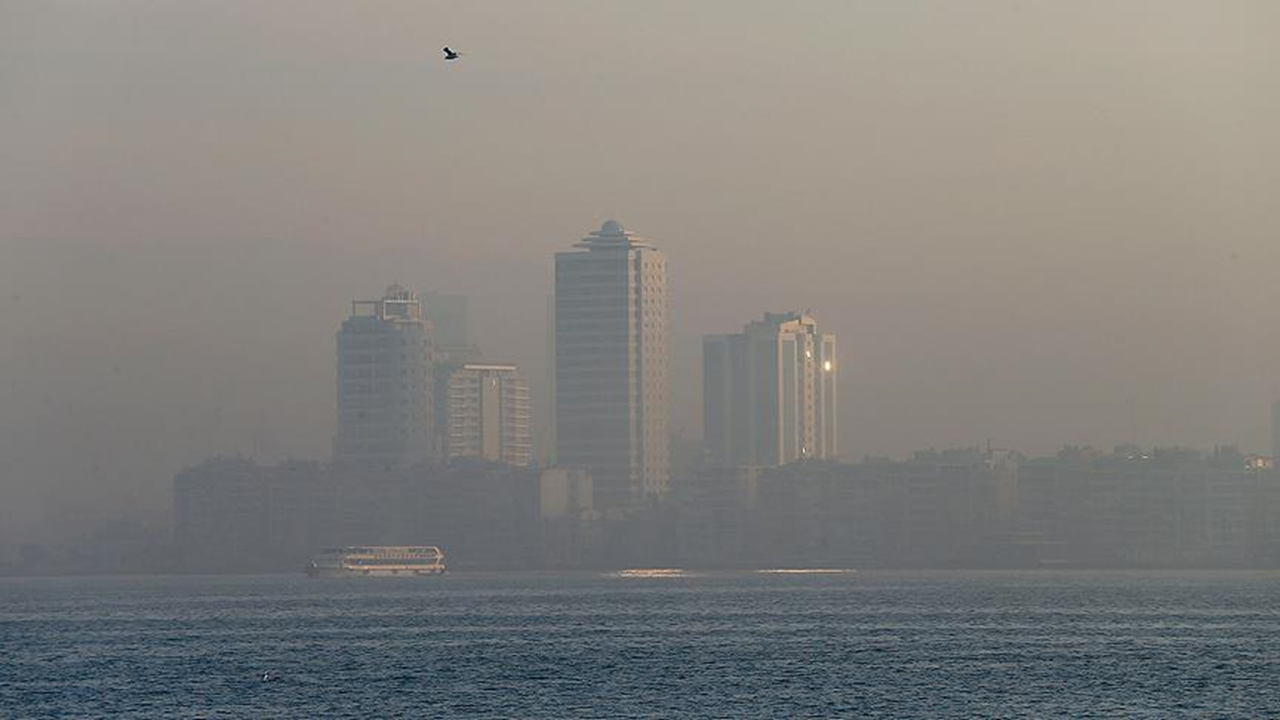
1065,239
639,358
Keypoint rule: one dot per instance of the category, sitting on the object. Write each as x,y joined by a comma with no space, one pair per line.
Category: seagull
450,55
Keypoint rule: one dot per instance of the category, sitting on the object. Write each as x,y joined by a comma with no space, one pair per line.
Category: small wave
648,573
807,571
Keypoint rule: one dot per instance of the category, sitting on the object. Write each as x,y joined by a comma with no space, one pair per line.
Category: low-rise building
237,516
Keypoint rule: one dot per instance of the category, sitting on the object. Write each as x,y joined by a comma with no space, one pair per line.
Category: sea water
671,643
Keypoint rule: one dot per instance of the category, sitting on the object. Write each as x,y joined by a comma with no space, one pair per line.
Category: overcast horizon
1034,224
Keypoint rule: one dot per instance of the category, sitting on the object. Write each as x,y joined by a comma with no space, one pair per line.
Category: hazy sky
1031,222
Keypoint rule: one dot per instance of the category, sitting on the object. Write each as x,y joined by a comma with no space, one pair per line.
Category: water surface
644,645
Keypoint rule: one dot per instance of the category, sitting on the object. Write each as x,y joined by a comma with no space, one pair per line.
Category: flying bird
450,55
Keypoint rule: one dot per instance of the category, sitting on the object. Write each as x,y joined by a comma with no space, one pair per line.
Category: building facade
237,516
485,413
769,393
611,365
384,383
450,335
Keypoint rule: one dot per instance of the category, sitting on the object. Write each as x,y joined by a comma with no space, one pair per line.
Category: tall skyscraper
485,414
385,411
769,393
611,376
545,435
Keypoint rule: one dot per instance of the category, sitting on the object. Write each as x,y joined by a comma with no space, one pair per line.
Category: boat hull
372,572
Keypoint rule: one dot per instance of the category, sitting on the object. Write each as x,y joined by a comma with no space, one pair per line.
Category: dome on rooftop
612,236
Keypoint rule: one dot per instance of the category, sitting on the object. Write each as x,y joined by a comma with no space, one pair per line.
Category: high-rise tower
611,375
384,384
769,393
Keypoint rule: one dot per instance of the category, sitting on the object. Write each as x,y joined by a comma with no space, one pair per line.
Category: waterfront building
611,365
485,413
236,516
384,383
769,393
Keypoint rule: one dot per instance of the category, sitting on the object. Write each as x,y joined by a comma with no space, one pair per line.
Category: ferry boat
378,560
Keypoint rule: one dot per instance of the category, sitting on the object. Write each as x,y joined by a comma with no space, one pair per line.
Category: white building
611,365
384,383
486,414
769,393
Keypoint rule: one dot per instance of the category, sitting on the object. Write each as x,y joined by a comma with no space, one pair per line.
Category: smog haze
1034,224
